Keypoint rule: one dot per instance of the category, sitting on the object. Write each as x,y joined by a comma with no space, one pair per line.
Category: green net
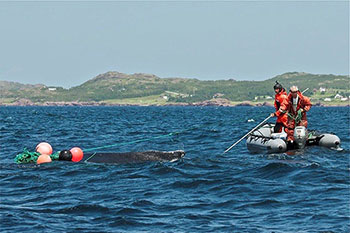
31,157
297,117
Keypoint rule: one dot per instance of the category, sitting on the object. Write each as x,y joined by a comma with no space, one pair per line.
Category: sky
67,43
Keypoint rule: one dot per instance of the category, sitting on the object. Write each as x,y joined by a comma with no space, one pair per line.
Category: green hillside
114,87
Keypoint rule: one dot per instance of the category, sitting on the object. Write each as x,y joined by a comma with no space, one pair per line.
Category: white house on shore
337,96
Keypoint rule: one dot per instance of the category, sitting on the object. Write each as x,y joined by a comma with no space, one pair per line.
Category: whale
134,157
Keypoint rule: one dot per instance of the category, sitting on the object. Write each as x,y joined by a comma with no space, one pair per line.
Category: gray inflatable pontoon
264,140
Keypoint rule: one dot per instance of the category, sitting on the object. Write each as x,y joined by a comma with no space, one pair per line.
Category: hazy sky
68,43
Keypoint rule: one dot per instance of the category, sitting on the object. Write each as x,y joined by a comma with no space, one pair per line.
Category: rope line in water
140,140
90,157
126,143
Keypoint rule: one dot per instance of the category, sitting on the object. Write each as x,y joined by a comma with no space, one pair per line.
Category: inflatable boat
264,140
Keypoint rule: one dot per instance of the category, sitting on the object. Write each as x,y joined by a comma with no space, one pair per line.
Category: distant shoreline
118,89
216,103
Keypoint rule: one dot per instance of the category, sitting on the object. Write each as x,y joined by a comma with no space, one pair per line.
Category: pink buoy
44,148
44,159
77,154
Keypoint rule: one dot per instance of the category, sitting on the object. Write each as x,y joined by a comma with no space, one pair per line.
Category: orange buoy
44,159
44,148
77,154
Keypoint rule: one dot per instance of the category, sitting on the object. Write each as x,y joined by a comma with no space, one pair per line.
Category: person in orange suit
297,106
281,102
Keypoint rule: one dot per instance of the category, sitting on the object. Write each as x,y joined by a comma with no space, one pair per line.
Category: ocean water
206,191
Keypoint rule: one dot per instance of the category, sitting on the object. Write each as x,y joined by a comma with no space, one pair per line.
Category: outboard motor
300,136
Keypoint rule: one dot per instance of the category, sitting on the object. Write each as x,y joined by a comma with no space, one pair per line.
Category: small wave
268,202
225,203
129,211
336,180
137,176
192,184
143,203
275,170
126,222
164,169
85,209
276,166
200,217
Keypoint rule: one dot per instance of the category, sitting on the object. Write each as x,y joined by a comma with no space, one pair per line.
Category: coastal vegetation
148,89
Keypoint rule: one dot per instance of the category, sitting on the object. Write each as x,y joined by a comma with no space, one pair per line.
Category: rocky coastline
213,102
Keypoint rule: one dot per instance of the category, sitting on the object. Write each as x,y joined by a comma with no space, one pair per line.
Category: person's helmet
277,86
294,89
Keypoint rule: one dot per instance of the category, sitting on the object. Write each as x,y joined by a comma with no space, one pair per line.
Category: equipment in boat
264,140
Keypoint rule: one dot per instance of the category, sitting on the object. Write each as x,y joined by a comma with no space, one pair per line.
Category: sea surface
206,191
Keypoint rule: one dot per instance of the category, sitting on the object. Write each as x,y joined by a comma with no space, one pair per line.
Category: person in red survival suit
297,107
281,103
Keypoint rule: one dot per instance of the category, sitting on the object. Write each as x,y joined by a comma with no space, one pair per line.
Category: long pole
247,134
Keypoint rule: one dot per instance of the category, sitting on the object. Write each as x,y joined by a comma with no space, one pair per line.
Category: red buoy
77,154
44,148
44,159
